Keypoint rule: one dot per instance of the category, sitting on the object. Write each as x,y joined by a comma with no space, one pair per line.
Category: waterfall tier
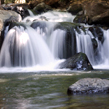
45,39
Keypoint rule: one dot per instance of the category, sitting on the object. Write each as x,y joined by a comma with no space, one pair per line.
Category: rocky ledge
89,86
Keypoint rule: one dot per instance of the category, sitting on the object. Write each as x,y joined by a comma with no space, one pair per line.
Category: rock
70,38
80,19
89,86
22,10
94,43
1,8
42,7
97,11
32,4
7,16
74,8
77,62
97,33
53,3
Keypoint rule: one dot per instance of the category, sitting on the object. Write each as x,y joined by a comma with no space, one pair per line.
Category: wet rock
97,33
77,62
80,19
4,17
39,24
89,86
94,43
42,7
70,38
23,11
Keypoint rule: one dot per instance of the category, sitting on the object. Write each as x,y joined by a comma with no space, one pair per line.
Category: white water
53,16
40,49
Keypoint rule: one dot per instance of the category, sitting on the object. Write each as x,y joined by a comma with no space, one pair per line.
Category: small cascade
103,51
51,16
48,39
84,44
21,48
30,12
57,40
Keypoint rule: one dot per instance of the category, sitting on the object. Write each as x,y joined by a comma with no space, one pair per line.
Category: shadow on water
48,90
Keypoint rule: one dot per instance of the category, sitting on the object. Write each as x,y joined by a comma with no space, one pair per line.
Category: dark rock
97,11
81,19
32,4
23,11
69,49
41,8
10,25
97,33
94,43
89,86
74,8
77,62
39,24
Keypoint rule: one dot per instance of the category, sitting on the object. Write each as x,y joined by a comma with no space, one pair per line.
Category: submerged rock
89,86
77,62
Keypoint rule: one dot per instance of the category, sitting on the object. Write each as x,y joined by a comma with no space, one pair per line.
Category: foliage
8,1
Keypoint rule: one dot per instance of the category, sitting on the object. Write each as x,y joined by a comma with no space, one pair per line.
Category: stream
48,90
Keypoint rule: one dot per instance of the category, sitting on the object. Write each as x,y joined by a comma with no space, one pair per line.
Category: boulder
53,3
7,16
80,19
33,3
89,86
77,62
42,7
22,10
97,11
74,8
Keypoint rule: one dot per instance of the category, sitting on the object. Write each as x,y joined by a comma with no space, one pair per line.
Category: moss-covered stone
77,62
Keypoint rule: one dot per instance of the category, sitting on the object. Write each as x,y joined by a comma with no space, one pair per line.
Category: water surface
48,90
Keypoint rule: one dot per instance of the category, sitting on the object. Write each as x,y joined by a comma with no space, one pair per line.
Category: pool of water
48,90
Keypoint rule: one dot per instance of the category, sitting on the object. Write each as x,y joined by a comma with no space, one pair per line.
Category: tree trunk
2,1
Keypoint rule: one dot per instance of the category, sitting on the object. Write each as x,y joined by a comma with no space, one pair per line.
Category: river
48,90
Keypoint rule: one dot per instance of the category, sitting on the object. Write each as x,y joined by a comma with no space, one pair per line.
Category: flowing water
48,90
29,59
39,42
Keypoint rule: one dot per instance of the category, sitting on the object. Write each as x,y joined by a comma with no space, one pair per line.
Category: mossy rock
81,19
77,62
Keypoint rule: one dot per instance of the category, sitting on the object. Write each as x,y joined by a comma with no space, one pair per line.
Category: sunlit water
48,90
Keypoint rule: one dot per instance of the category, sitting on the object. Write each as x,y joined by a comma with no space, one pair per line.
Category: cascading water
44,42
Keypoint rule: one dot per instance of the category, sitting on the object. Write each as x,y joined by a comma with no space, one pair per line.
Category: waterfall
46,40
84,44
24,47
